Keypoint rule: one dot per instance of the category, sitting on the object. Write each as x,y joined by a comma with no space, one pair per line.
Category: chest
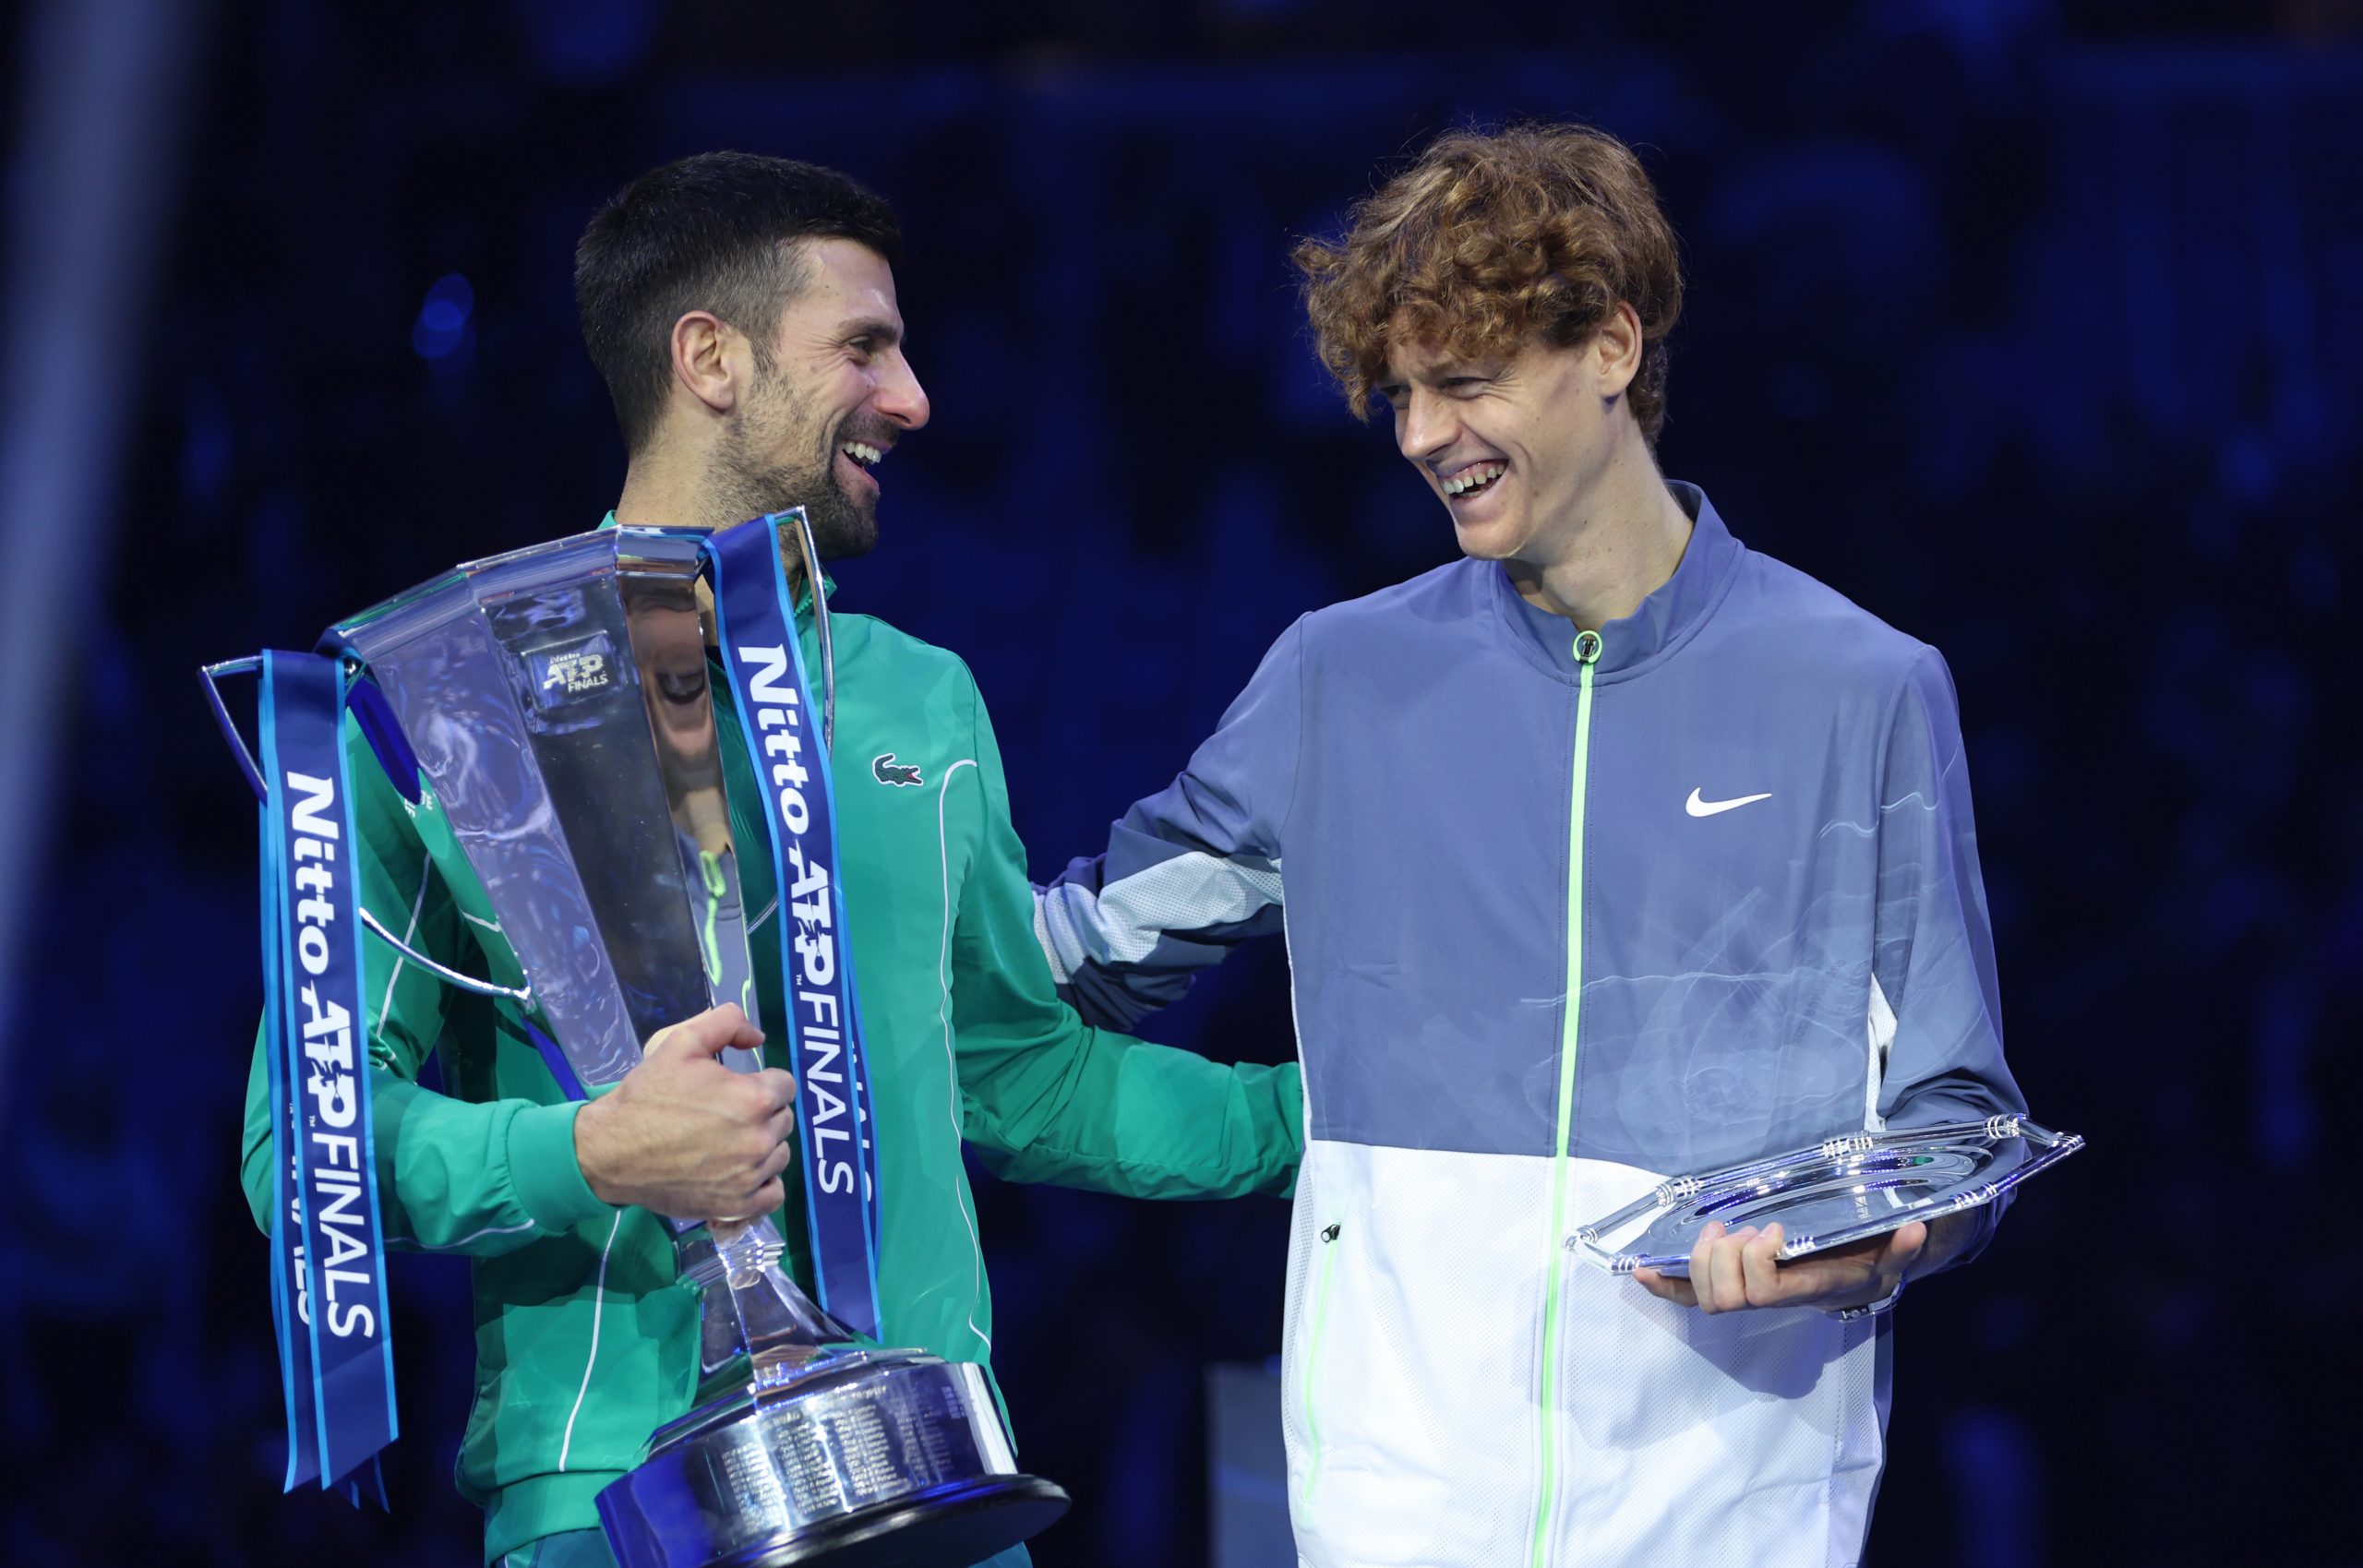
904,842
906,809
1701,817
903,847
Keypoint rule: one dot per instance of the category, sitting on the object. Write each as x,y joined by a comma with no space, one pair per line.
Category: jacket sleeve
1932,945
452,1175
1190,872
1047,1097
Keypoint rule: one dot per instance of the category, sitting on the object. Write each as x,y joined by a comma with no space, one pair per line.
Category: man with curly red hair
1612,850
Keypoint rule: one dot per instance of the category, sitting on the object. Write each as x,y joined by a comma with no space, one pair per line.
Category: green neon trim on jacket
1588,646
1312,1353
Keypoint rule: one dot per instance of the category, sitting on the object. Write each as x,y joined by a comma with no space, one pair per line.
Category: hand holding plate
1734,1270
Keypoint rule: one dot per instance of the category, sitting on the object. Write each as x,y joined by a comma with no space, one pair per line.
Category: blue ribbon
756,620
327,1257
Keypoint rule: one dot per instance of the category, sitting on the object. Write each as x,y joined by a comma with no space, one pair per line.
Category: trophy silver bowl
1839,1191
559,702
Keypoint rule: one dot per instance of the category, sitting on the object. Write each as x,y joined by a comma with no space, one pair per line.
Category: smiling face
831,395
1513,446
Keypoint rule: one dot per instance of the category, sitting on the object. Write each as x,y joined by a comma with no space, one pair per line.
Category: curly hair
1490,239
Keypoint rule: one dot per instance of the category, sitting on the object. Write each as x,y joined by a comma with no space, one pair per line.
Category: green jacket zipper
1329,1267
1587,648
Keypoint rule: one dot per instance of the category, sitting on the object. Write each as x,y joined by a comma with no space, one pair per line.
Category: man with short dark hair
737,242
1610,852
743,312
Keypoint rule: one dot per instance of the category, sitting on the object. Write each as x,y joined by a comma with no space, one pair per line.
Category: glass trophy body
557,700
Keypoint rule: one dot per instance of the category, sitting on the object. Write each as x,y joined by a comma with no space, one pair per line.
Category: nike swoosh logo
1698,808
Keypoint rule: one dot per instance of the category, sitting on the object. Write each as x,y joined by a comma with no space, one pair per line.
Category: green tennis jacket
586,1340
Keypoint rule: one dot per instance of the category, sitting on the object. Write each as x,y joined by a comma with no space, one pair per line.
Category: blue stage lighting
442,326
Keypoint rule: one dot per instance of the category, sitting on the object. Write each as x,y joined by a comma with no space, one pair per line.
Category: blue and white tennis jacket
1567,914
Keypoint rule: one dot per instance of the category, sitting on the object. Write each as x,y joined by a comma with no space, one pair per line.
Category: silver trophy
557,700
1839,1191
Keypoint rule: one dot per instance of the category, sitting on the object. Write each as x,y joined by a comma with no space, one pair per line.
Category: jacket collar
1665,621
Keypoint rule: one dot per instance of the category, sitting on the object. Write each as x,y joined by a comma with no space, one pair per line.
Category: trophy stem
749,1306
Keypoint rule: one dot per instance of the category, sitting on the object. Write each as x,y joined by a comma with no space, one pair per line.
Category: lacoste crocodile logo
886,771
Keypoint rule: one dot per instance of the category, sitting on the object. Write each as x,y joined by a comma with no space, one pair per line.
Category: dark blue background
2035,325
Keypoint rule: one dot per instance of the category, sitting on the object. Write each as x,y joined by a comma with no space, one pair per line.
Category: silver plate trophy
1839,1191
559,702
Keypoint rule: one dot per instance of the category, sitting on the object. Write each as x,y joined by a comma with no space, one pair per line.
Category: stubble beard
748,484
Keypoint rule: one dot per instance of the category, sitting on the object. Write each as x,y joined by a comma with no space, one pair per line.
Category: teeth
864,454
1459,484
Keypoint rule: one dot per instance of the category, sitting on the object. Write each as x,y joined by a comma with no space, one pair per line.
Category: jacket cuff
1293,1108
543,1169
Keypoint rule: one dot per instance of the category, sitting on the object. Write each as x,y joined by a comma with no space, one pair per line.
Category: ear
710,360
1615,350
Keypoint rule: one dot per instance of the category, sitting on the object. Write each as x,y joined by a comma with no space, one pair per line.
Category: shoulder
1453,591
383,812
1810,630
889,681
891,653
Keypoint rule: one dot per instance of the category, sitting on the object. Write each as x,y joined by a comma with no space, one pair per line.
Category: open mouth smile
1472,481
862,457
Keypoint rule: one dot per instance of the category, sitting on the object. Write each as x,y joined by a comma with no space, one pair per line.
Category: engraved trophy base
856,1458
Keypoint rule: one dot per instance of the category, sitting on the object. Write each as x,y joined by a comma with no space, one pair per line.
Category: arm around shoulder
1048,1098
1190,872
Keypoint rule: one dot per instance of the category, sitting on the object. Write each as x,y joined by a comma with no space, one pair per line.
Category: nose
1426,425
900,396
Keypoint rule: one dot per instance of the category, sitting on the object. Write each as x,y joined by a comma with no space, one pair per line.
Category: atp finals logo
820,1013
338,1218
576,670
